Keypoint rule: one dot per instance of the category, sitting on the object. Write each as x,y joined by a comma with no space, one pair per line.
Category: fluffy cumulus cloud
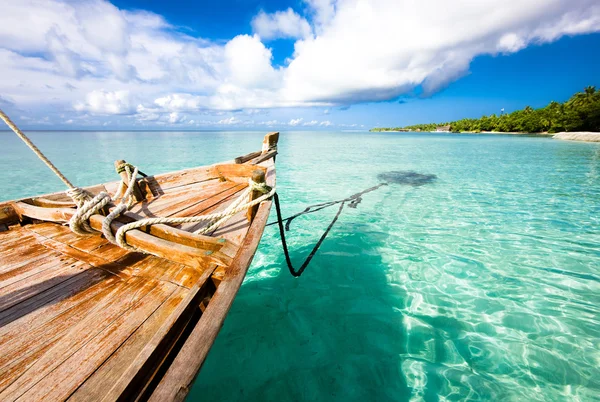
281,24
90,58
103,102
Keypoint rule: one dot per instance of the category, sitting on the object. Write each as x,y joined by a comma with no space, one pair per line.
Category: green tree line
580,113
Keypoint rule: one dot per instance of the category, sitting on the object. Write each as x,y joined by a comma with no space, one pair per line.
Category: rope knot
123,166
78,195
262,187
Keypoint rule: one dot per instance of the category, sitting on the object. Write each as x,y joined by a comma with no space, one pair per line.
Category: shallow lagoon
482,284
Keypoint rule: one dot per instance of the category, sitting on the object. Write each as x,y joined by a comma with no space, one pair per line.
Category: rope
214,220
352,201
77,194
79,222
35,149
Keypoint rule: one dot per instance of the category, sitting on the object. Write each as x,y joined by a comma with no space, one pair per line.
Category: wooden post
258,176
270,141
137,193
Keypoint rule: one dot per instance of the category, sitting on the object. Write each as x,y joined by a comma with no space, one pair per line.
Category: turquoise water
482,285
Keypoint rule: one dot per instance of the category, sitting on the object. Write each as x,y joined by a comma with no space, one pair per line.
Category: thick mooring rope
35,149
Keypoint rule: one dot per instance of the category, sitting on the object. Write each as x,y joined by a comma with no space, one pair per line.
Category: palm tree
583,98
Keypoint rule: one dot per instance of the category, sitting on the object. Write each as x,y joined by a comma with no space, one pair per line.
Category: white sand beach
578,136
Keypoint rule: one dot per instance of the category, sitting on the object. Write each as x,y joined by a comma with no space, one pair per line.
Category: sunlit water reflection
473,276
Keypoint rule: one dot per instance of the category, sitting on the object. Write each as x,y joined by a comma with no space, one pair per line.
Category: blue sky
306,64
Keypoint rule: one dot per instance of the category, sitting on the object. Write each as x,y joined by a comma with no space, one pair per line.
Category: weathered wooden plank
151,350
210,206
109,381
181,195
60,215
66,378
175,252
45,306
209,199
101,316
23,256
48,229
109,252
265,156
218,275
16,344
171,237
53,259
24,289
89,244
48,203
247,157
238,173
18,358
91,259
179,378
161,183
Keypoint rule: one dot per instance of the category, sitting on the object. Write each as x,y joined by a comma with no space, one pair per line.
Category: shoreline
582,136
464,132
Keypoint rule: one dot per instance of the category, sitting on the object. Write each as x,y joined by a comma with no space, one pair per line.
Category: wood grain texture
178,380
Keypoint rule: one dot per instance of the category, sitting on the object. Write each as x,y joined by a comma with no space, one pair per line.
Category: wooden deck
83,319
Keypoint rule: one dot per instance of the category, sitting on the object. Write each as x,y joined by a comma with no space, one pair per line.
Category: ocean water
481,284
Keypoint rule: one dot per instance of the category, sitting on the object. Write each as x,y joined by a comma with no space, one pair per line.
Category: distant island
580,113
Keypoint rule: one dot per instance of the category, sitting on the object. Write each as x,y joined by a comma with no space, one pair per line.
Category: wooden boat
83,319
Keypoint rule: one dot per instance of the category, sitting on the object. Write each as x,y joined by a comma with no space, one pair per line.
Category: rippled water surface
480,283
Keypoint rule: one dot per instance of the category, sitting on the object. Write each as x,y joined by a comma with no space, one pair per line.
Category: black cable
314,250
353,200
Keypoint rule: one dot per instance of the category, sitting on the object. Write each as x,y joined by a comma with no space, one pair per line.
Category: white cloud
325,123
295,122
281,24
229,121
311,123
176,118
429,42
180,102
93,58
106,102
248,63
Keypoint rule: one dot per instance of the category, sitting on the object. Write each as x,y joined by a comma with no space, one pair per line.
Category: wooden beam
247,157
258,176
270,141
220,249
183,254
238,173
58,215
264,157
8,215
137,193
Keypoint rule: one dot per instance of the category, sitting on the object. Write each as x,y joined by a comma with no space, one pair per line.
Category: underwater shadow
332,334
